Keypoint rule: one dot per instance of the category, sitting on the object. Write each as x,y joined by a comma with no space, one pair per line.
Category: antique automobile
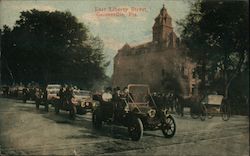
80,103
66,106
83,100
13,91
19,90
41,99
45,96
5,90
52,93
137,111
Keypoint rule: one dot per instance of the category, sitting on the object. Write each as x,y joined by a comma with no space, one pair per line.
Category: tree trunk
227,79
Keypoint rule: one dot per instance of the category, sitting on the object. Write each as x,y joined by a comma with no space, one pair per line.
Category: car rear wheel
194,113
135,129
72,113
46,107
96,119
57,109
169,127
37,105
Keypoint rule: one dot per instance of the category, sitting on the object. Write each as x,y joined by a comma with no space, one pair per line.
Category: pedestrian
25,94
68,95
61,95
117,103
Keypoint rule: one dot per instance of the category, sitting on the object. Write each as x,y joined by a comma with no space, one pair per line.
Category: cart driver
129,97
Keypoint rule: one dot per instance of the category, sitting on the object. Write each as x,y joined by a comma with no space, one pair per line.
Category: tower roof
162,17
163,10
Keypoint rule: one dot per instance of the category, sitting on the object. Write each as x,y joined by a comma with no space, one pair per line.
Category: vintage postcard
114,77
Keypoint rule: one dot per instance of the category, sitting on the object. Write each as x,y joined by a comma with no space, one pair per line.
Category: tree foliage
216,34
51,47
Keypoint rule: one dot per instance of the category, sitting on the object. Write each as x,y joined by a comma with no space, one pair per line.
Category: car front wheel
168,127
135,129
96,119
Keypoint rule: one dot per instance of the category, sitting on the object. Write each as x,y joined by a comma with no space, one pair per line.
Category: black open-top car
135,110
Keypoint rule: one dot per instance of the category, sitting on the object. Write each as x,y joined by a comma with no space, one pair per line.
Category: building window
193,89
193,74
162,72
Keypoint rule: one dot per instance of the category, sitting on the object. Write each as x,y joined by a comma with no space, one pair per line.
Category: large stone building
153,62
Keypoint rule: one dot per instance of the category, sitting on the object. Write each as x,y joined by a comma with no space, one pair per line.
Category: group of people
114,94
65,94
162,100
165,100
112,100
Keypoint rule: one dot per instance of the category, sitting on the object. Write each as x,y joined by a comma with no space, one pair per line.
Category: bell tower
162,29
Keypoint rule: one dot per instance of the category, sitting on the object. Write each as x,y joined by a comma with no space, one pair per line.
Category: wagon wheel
210,115
203,112
135,129
178,109
193,114
169,127
225,112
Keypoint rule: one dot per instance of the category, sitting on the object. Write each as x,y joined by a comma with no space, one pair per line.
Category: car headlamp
126,108
165,112
97,103
151,113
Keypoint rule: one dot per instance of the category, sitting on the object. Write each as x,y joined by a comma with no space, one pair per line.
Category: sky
116,22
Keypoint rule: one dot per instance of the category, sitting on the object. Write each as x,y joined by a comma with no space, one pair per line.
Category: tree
216,34
52,47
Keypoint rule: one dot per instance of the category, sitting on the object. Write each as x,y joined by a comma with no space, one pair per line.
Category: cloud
113,44
41,7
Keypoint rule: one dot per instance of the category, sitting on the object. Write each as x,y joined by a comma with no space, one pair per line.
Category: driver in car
106,102
107,96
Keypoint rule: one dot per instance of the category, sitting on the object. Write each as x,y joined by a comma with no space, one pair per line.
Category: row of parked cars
134,109
82,100
80,103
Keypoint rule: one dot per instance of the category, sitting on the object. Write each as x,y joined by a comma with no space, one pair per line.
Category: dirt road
27,131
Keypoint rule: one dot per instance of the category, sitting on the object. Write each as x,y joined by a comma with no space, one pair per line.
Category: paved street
27,131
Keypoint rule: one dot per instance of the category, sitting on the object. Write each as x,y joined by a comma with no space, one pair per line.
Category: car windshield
53,87
139,94
82,93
